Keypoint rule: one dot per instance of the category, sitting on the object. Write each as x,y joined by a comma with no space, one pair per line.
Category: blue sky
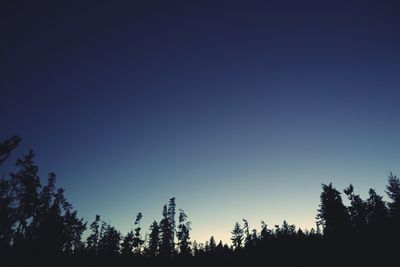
239,110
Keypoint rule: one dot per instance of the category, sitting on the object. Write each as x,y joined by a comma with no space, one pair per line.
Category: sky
239,109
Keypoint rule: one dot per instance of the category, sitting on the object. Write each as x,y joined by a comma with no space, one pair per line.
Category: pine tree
393,192
213,245
7,146
25,183
137,240
237,236
92,241
183,234
154,239
357,209
377,213
333,215
109,242
127,244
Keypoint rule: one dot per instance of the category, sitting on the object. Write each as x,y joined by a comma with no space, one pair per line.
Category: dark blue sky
238,109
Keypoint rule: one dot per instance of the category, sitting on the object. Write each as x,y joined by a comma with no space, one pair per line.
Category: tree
393,192
7,214
137,240
333,215
8,146
171,221
357,209
127,244
265,232
237,236
154,239
92,240
247,238
377,212
109,242
213,245
167,229
183,234
25,185
287,230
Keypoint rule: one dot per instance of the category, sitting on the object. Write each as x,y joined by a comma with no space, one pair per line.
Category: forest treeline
38,226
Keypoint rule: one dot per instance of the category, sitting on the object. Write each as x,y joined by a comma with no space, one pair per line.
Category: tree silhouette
154,239
167,229
213,245
137,240
237,236
183,234
357,210
7,147
109,242
393,192
92,241
377,213
127,244
333,215
25,184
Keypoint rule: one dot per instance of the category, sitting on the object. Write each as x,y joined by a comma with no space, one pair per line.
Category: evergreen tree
357,209
109,242
393,192
7,146
127,244
213,245
154,239
333,215
92,241
25,183
183,234
247,236
137,240
165,233
7,214
378,214
265,232
237,236
171,221
167,229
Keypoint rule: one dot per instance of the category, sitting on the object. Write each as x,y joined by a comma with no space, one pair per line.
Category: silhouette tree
127,244
109,242
287,230
137,240
7,147
213,245
92,241
393,192
357,210
377,213
7,214
247,236
237,236
7,211
333,215
25,184
265,232
154,239
183,234
171,222
167,229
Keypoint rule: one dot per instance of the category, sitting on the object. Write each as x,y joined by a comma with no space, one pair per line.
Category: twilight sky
239,109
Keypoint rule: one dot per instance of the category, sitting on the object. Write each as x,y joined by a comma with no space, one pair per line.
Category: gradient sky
238,109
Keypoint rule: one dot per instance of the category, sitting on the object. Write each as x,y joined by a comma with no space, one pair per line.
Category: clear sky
238,109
